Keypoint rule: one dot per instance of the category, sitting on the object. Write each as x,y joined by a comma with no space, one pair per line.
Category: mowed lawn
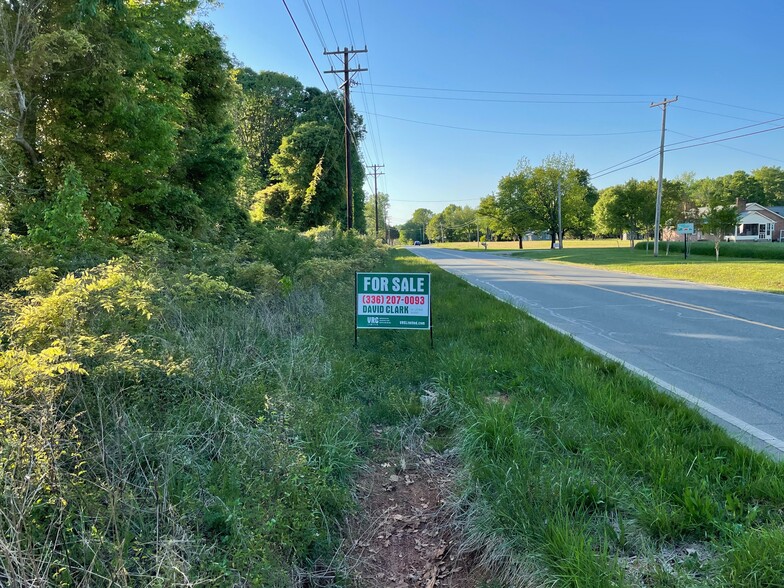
527,245
748,274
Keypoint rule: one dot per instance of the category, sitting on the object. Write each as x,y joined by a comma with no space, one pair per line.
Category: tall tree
528,198
134,95
383,214
266,111
308,176
628,208
719,220
772,181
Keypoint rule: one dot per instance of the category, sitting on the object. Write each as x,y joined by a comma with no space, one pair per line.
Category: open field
537,245
757,274
572,469
763,275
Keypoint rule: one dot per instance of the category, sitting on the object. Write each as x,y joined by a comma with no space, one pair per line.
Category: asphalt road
719,348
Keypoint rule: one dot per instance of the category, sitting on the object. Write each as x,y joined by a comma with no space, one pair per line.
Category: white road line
774,443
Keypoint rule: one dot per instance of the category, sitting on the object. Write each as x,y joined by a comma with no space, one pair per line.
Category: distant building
758,223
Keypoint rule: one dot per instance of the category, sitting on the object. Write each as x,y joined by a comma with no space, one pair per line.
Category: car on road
417,243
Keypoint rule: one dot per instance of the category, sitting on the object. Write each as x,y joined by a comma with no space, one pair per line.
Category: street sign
392,301
685,228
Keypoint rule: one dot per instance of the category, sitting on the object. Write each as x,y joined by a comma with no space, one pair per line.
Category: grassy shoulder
535,245
574,470
171,423
748,274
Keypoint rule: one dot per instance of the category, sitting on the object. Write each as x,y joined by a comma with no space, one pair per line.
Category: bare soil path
403,535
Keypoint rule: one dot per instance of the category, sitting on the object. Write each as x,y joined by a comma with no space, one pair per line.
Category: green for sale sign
392,301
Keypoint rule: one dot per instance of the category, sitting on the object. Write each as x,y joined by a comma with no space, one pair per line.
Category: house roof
777,210
752,217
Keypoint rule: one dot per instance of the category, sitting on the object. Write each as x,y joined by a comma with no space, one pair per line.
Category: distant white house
758,223
755,223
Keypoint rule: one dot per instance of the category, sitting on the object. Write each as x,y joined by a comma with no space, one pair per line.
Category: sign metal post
685,229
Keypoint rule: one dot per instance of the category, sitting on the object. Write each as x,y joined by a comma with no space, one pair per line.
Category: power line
329,22
679,107
609,170
733,148
497,132
596,176
376,137
727,138
513,93
732,105
499,100
301,38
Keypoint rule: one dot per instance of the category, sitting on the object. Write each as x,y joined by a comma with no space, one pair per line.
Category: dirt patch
403,535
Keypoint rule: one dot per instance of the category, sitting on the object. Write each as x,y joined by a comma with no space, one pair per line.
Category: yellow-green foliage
258,277
320,272
136,444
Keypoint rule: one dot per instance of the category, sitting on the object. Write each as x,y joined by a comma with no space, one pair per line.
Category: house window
749,230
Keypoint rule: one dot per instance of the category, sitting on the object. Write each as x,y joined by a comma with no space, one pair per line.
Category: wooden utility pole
560,222
657,222
376,173
346,85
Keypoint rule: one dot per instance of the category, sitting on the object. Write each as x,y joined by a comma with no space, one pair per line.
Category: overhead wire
375,136
731,105
323,81
504,101
520,133
671,146
733,148
514,93
725,139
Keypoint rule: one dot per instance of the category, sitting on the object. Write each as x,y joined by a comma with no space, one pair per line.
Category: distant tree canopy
414,229
631,207
454,223
282,125
527,199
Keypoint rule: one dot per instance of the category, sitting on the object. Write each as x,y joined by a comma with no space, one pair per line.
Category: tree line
527,201
120,116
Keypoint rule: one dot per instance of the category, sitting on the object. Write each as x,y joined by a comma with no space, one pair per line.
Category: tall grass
162,427
744,250
578,472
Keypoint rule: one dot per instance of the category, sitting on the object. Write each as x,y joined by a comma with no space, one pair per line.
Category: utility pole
560,224
657,222
376,173
346,85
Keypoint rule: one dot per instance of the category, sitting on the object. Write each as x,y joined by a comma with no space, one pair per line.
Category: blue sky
518,73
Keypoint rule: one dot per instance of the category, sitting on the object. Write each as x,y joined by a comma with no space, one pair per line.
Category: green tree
719,220
64,225
772,181
628,208
728,189
266,111
134,94
414,229
528,198
383,214
309,179
454,223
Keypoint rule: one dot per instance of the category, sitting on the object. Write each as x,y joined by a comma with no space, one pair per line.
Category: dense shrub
162,425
